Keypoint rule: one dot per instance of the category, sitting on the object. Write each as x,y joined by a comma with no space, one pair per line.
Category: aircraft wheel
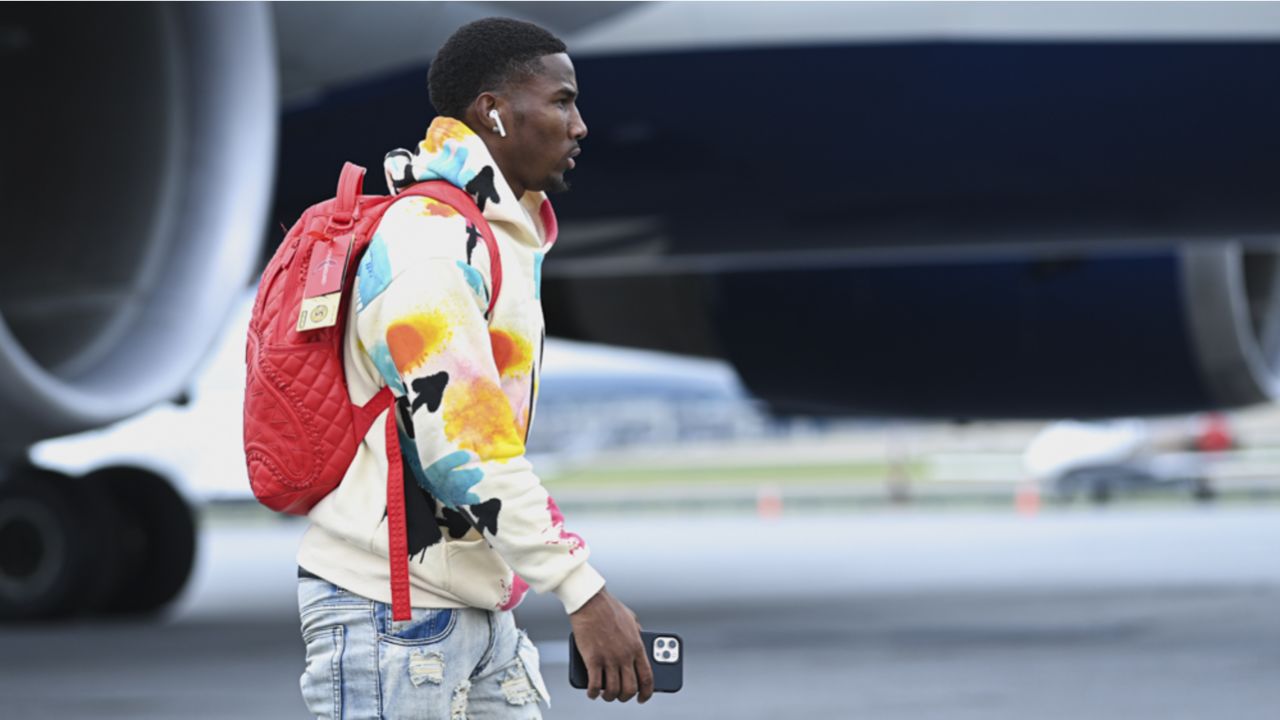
1202,490
157,539
1065,489
1101,491
57,551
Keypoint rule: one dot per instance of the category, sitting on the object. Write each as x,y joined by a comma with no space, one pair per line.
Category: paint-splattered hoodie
482,529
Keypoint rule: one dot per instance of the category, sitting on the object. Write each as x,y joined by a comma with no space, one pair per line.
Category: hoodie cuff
578,587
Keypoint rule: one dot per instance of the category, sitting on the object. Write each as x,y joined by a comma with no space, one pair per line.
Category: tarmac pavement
1115,613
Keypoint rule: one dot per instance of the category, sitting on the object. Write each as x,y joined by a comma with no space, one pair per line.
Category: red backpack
301,429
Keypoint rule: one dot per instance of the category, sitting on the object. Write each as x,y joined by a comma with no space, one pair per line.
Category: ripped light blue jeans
453,663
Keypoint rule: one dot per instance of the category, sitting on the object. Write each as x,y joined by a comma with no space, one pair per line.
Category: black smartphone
666,657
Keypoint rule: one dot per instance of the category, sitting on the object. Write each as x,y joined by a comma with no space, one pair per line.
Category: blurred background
906,359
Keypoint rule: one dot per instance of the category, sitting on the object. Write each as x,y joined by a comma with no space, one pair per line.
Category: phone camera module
666,650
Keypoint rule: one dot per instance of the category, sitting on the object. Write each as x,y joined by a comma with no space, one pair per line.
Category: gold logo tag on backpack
326,275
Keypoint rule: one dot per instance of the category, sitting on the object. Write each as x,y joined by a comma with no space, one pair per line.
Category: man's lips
572,155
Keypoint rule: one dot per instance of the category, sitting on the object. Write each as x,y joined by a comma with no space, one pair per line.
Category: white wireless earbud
498,119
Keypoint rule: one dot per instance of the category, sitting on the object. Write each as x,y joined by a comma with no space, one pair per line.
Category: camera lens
666,654
662,644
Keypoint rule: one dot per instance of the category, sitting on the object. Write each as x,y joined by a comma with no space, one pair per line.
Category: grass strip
604,476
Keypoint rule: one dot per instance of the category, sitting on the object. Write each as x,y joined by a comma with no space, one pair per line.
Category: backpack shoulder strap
459,200
398,553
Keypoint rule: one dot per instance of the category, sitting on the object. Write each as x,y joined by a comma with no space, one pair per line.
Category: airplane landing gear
158,534
120,541
42,550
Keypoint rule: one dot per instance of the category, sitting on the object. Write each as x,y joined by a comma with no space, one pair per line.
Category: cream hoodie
481,527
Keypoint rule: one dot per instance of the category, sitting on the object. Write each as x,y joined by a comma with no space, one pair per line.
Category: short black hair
484,55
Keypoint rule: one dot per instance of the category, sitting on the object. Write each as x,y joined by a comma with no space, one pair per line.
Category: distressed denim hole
426,666
517,688
458,708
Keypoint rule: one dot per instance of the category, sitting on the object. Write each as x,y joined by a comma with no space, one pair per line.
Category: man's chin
555,184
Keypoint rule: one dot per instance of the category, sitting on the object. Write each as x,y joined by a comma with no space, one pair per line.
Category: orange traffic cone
768,502
1026,498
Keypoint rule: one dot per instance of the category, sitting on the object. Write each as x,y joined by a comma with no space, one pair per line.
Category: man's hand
608,637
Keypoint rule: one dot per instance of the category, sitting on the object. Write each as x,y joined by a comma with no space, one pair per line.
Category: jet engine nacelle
139,156
1085,336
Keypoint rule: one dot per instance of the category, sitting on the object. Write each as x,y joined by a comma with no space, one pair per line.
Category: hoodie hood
453,152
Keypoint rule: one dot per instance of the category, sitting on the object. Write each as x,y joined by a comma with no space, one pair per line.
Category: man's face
546,126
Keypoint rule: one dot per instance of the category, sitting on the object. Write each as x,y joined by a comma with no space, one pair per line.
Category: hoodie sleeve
421,319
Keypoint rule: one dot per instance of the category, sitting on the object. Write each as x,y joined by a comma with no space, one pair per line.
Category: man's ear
486,103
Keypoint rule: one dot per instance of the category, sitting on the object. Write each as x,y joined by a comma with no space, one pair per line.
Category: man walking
481,528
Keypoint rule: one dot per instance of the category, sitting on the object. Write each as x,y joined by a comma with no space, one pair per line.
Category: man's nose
577,126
